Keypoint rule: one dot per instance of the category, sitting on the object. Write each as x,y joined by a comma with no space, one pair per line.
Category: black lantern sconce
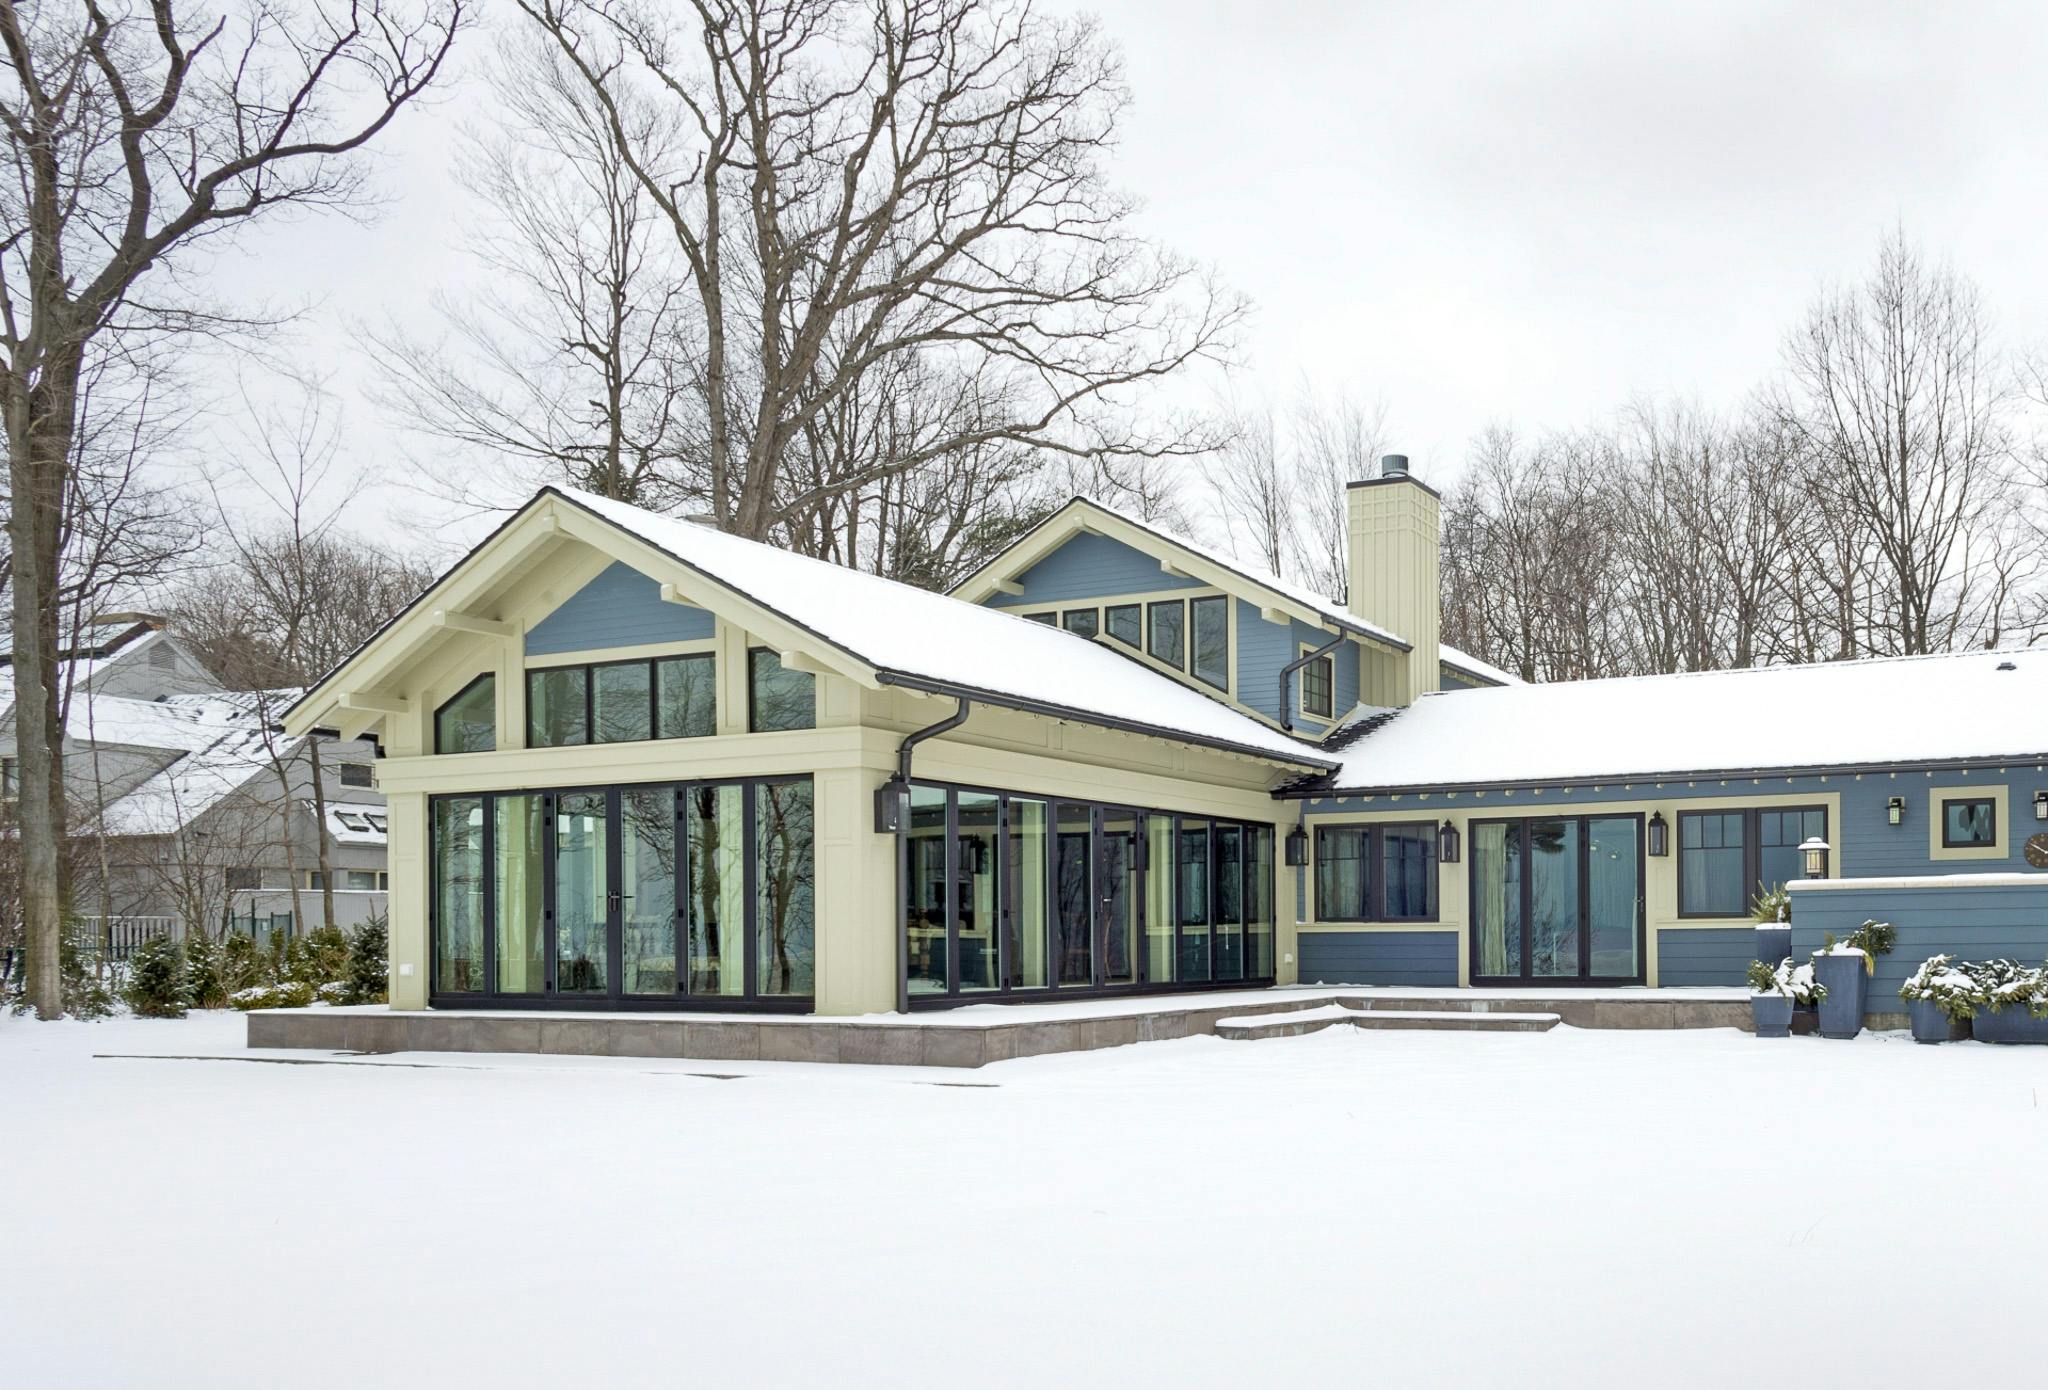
1815,852
1447,844
1659,835
1297,848
1895,811
892,806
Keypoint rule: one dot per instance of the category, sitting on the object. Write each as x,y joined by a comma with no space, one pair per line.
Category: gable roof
1468,665
1972,707
217,742
889,633
1190,556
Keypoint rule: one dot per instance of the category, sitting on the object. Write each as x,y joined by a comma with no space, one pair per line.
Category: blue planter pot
1772,1014
1930,1024
1841,1013
1773,944
2009,1026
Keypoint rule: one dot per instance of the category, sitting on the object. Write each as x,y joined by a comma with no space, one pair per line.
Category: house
178,788
632,762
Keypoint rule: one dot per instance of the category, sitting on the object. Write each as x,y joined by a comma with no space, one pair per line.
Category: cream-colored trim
1999,848
605,656
1301,709
1660,875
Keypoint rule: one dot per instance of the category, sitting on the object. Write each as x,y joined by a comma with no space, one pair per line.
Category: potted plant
1773,991
1771,909
1941,997
1845,968
2013,1005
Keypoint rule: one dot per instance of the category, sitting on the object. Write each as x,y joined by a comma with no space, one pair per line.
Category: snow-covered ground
1344,1208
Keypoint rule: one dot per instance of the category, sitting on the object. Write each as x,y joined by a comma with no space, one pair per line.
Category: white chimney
1392,526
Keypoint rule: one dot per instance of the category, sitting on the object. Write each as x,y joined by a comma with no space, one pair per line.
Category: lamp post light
1895,810
1815,852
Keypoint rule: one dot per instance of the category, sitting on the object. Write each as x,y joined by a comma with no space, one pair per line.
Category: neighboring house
635,762
177,788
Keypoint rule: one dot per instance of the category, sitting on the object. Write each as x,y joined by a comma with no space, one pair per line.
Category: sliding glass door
1557,900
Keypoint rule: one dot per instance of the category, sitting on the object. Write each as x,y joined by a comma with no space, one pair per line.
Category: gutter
1620,779
903,755
1287,672
1023,705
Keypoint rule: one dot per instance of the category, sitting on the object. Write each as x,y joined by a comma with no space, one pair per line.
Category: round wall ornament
2037,850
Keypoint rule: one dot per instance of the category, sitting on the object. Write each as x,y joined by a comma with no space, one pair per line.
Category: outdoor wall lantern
1895,810
1297,848
1815,851
1660,836
2041,805
1447,844
892,806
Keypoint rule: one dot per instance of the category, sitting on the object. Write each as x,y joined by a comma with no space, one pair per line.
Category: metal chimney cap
1393,465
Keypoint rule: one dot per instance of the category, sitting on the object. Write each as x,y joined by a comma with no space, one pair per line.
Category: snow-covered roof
935,640
357,823
1967,707
1473,666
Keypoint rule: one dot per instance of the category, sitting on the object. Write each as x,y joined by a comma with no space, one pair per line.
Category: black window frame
1136,613
1520,827
354,774
1326,666
442,708
1374,858
753,692
1752,852
653,666
1222,601
1093,615
1152,610
1989,802
1048,617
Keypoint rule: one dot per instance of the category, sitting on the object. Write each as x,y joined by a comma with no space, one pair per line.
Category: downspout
1287,671
902,781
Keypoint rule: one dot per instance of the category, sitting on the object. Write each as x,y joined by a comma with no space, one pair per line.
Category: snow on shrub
1946,985
333,992
292,994
1871,940
1796,982
2006,984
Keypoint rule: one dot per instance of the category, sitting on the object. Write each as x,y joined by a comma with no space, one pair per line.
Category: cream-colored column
731,670
407,903
856,895
1393,534
1286,912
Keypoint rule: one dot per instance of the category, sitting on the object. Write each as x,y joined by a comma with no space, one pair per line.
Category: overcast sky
1479,212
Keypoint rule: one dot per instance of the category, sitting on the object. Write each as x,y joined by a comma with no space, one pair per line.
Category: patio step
1302,1021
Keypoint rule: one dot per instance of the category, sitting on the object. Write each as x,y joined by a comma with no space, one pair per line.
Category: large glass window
1030,867
1343,873
1726,858
1191,870
521,894
1167,638
558,707
1408,872
714,820
1118,895
1554,898
1125,622
1082,622
622,702
469,722
459,894
586,892
1258,932
1159,918
925,845
785,911
1229,894
1075,880
686,696
1212,641
1969,822
978,921
777,697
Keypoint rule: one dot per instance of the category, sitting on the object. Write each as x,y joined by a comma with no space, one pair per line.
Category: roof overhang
1308,791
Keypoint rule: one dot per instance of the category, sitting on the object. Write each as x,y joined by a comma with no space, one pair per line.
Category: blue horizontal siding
1379,958
1705,956
1263,651
1973,923
620,608
1088,566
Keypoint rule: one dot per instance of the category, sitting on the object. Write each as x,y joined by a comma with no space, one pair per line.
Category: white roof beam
468,622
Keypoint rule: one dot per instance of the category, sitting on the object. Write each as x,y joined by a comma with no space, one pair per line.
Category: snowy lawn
1395,1208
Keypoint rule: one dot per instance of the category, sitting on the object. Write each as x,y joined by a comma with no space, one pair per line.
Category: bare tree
851,182
137,132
